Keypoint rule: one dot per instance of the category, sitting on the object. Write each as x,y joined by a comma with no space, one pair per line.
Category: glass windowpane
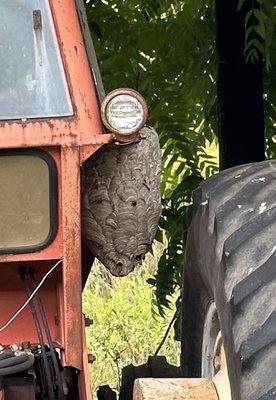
24,201
32,79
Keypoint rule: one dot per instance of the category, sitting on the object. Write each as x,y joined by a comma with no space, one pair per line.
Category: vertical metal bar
72,285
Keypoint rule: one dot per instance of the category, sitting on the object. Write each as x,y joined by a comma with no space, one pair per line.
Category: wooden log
174,389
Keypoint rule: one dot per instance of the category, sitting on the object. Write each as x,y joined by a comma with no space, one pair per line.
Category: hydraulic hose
47,369
61,395
23,363
6,354
8,362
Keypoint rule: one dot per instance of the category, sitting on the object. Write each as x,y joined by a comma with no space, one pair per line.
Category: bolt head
14,347
88,321
91,358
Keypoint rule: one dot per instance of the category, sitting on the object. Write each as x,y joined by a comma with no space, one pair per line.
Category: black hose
14,360
15,369
47,369
6,354
61,394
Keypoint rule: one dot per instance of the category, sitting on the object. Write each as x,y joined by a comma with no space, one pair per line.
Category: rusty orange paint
84,381
85,127
70,141
71,255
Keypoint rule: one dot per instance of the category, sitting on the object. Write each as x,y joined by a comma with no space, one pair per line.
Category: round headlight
124,111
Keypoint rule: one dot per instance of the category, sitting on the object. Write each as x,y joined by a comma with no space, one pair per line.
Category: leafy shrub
126,327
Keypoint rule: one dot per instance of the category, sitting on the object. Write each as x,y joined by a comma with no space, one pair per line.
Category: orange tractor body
57,146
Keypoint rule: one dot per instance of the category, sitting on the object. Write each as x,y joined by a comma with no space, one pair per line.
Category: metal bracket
37,18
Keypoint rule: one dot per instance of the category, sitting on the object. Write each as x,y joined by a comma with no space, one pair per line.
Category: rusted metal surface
72,286
87,150
174,389
12,296
85,390
122,140
70,141
23,329
85,126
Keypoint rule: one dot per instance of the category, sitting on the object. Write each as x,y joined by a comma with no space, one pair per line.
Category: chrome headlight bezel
117,93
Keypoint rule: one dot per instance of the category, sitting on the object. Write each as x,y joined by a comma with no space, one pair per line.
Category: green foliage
166,50
125,330
259,26
260,43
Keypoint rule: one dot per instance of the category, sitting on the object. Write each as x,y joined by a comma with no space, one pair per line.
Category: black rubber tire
231,259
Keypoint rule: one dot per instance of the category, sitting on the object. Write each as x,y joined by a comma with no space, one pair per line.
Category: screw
18,353
14,347
88,321
26,346
91,358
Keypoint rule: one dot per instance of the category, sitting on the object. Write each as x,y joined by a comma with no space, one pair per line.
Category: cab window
28,200
32,79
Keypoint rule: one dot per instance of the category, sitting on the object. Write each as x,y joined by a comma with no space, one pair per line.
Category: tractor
51,124
55,117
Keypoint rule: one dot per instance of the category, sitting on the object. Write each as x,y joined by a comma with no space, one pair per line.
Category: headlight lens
124,111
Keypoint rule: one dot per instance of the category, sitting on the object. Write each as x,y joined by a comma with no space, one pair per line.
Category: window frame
90,51
53,199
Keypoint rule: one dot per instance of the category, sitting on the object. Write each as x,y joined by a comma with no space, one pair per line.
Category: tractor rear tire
231,261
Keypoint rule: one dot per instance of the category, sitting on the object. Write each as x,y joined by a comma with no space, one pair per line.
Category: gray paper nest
121,202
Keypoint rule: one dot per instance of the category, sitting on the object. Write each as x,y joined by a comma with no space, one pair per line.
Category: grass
126,327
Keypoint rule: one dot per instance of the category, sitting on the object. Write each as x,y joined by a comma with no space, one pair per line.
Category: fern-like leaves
259,25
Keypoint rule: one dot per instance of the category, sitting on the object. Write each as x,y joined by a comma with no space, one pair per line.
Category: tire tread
232,247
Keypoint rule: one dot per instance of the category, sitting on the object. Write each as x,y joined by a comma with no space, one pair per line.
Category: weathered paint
174,389
84,379
70,141
71,255
85,127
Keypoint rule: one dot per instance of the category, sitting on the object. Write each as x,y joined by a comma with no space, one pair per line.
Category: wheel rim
213,362
210,333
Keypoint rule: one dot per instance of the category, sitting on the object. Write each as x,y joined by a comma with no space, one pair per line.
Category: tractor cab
33,82
52,116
